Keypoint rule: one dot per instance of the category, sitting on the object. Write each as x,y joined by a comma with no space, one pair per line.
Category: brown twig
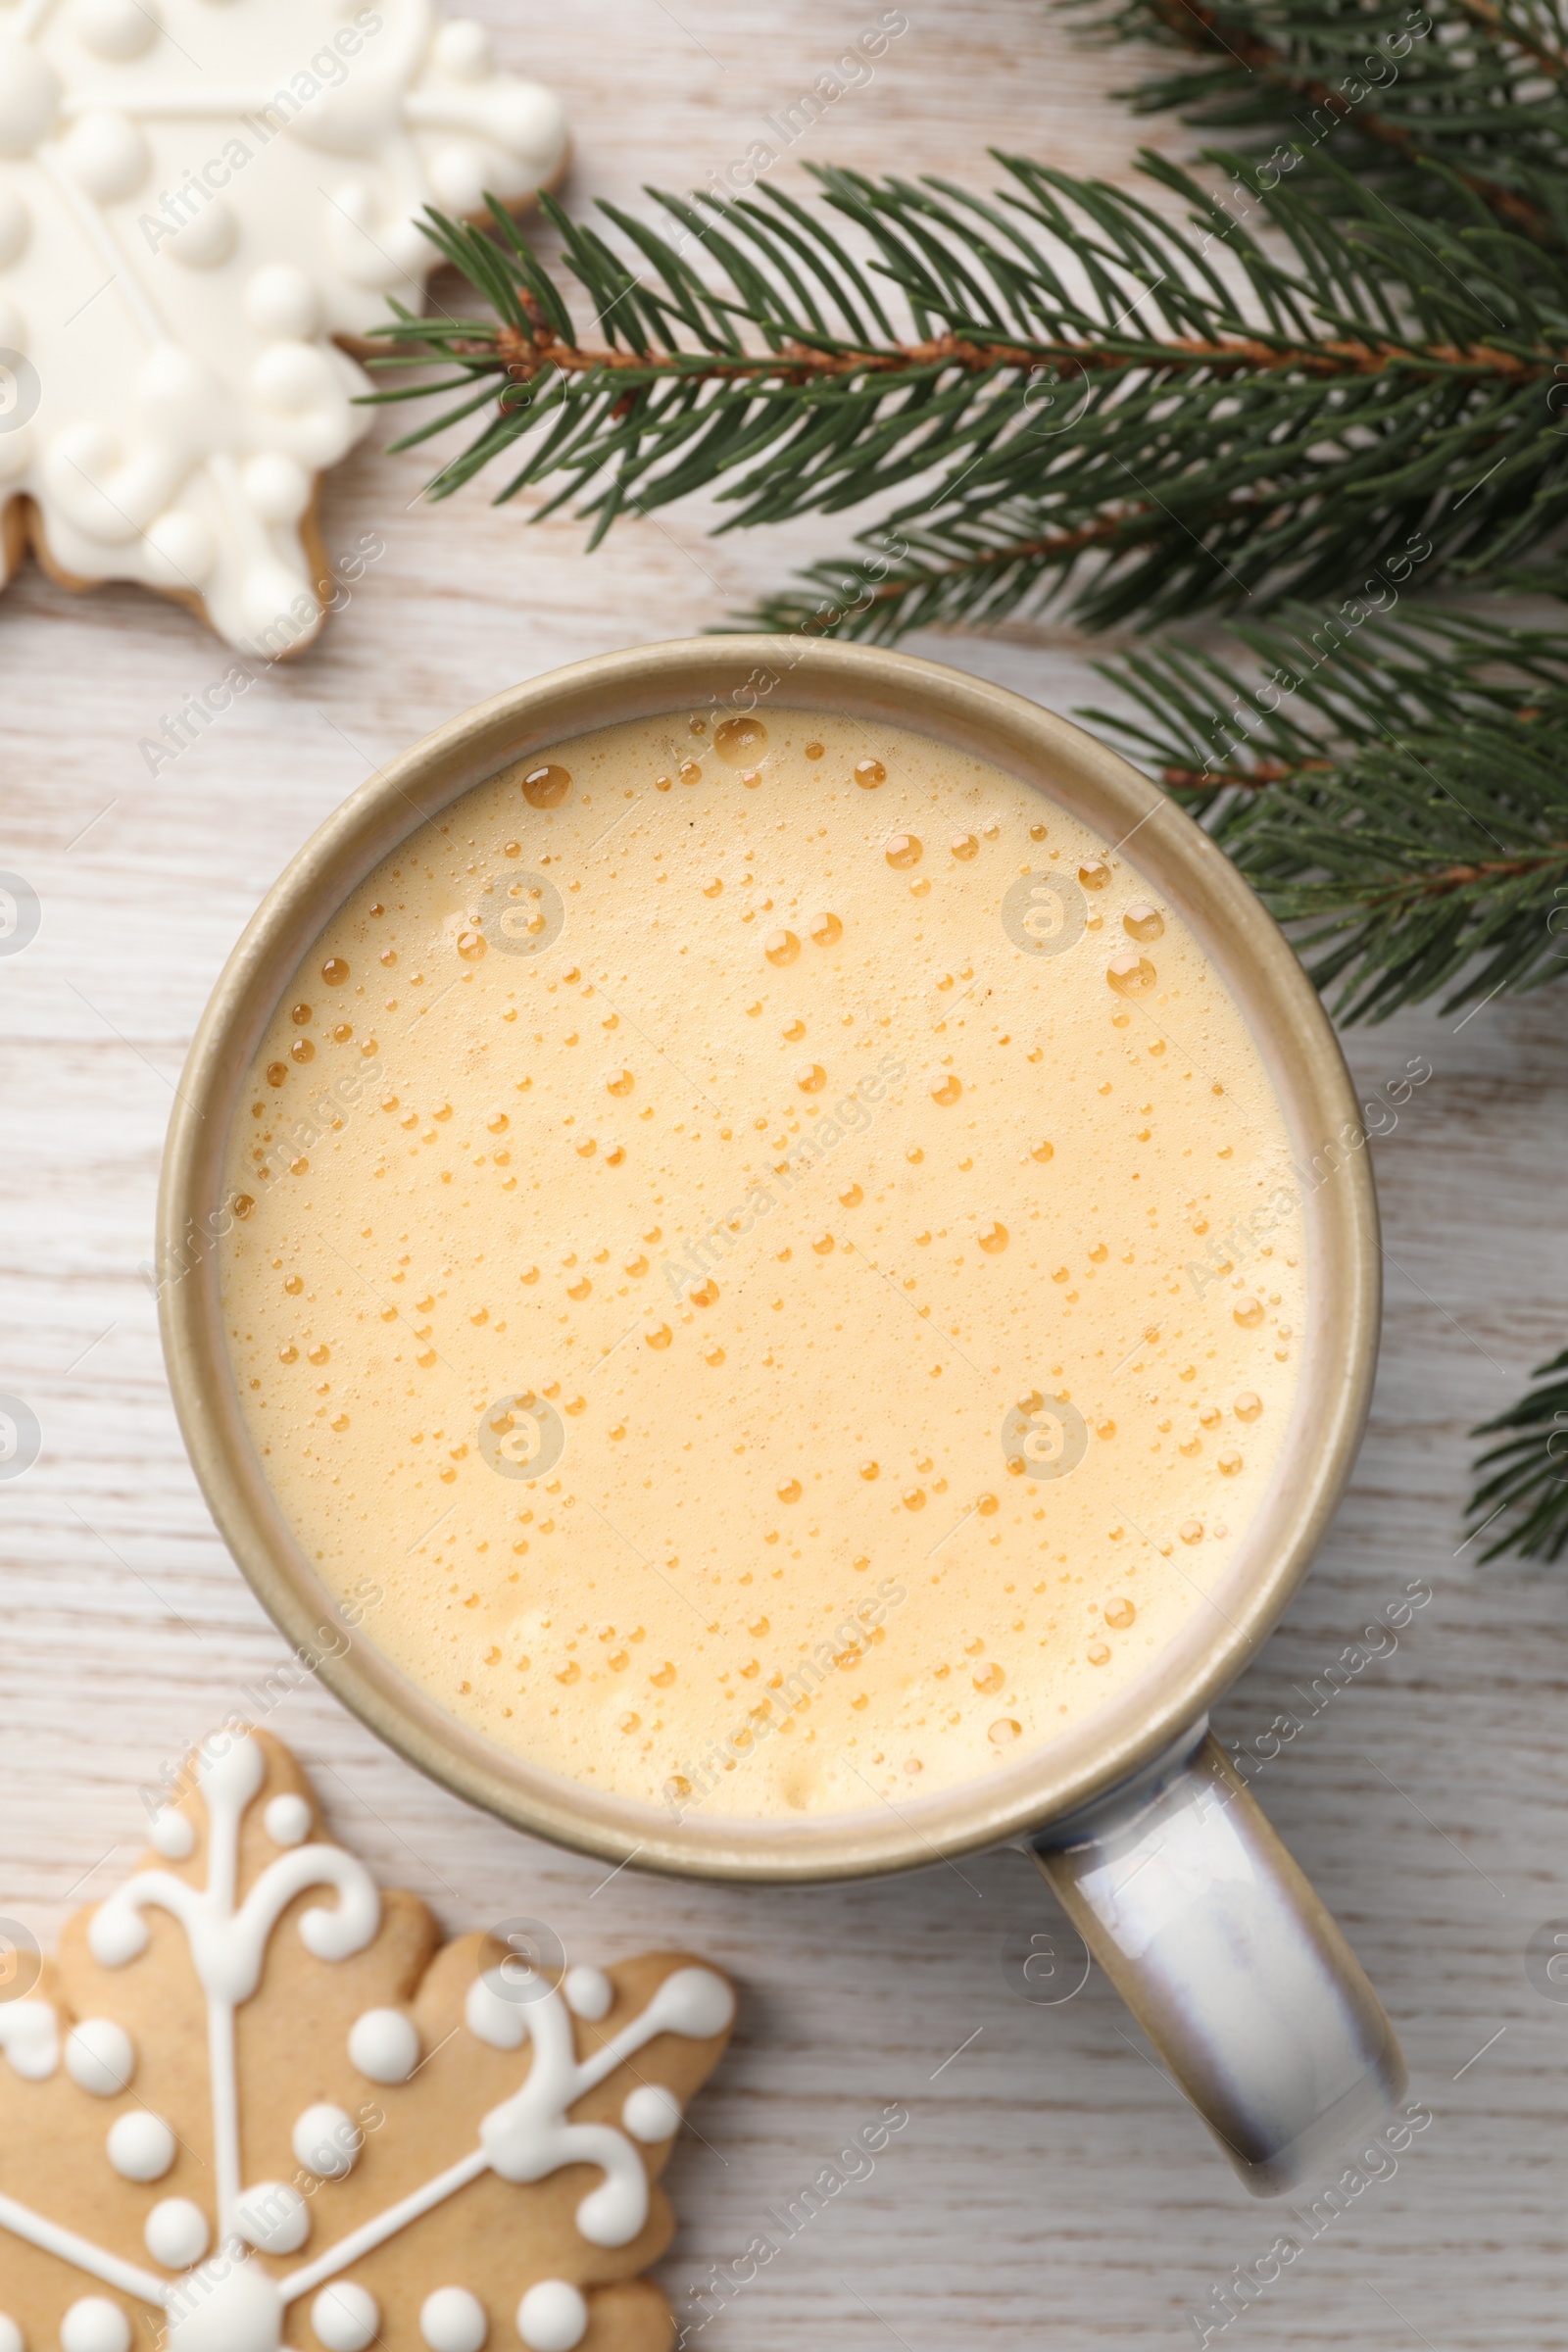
1020,550
1250,779
524,357
1450,878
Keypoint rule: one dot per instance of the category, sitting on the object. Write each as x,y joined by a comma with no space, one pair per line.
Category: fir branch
1468,95
1083,388
1398,792
1529,1470
1350,676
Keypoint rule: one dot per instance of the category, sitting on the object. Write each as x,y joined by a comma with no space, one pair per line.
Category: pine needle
1398,793
1529,1470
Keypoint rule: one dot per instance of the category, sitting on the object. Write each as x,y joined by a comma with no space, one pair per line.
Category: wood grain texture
1048,2187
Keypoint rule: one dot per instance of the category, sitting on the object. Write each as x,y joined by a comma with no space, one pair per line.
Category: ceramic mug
1160,1853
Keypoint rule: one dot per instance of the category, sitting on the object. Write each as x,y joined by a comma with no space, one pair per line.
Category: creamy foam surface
731,1259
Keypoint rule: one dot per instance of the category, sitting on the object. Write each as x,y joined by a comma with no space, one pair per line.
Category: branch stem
526,357
1450,878
377,2231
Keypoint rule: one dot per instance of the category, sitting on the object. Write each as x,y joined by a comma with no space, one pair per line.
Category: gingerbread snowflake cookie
196,197
255,2102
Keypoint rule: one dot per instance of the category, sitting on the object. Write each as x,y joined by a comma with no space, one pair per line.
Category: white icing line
50,2239
228,1787
95,230
181,104
372,2233
229,1946
552,2067
633,2037
225,2112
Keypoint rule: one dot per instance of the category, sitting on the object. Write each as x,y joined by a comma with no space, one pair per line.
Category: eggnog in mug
740,1238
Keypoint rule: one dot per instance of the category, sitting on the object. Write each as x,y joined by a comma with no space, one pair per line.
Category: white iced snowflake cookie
256,2104
196,197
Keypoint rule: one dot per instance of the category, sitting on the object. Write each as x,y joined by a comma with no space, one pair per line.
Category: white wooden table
1050,2187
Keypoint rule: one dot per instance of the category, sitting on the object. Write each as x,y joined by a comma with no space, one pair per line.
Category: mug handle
1222,1951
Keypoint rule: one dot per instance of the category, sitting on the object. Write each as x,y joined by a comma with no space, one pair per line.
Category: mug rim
1261,972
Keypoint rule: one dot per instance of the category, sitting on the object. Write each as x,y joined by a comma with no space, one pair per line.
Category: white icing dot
176,2234
463,50
173,1835
458,176
272,606
384,2045
142,2145
14,224
552,2316
105,154
10,2338
287,1819
182,549
694,2001
492,2018
30,2031
278,488
207,238
101,2057
30,97
179,395
228,2306
527,120
454,2320
280,301
589,1992
293,377
326,2142
117,30
76,464
346,2318
114,1937
95,2325
230,1768
651,2113
273,2218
